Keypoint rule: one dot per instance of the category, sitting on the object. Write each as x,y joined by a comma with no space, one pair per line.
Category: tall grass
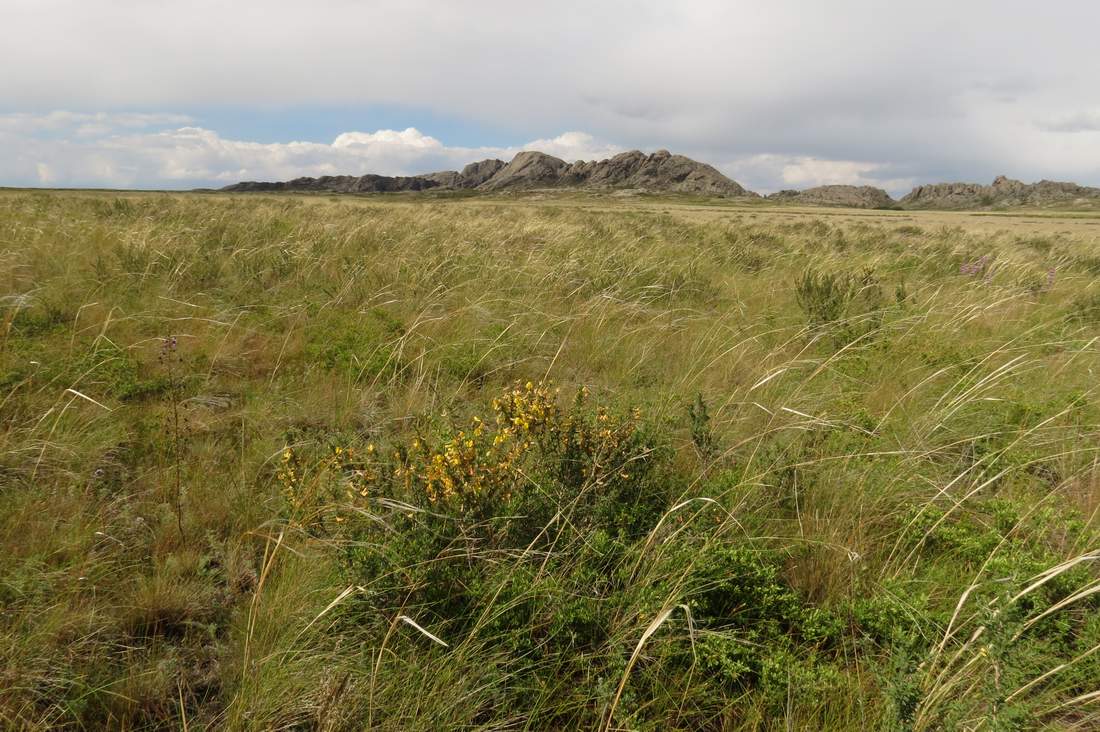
736,501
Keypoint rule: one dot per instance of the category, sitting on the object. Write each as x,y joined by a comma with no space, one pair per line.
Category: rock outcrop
342,184
837,195
661,172
1003,193
474,174
528,169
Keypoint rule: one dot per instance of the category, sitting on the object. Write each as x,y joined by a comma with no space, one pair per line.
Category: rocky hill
1003,193
342,184
663,172
660,172
837,195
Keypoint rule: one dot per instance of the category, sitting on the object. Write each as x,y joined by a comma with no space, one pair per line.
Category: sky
176,94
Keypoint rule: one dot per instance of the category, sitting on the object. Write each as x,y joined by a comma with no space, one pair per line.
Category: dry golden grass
887,520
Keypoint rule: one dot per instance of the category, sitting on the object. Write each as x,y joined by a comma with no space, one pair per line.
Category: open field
291,462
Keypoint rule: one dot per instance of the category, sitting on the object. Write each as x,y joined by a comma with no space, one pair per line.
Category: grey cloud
1077,122
928,91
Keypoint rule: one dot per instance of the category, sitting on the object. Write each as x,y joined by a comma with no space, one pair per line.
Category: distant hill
837,195
660,172
1003,193
663,172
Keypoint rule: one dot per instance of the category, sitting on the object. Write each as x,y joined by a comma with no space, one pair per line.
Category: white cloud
85,124
571,146
70,149
64,148
805,172
410,137
769,172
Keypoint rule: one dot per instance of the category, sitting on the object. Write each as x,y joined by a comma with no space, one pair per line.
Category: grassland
339,464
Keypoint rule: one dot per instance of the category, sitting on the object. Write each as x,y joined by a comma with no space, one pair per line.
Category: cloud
931,91
85,124
1086,121
768,173
409,137
63,148
571,146
73,149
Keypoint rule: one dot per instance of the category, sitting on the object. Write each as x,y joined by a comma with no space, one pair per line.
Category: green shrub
1085,308
823,297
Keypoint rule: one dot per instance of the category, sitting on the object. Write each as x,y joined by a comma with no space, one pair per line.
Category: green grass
709,490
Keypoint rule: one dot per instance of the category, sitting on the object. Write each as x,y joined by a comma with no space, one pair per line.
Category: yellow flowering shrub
487,462
480,466
483,462
342,473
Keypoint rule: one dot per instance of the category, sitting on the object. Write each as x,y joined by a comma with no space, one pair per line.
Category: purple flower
974,267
